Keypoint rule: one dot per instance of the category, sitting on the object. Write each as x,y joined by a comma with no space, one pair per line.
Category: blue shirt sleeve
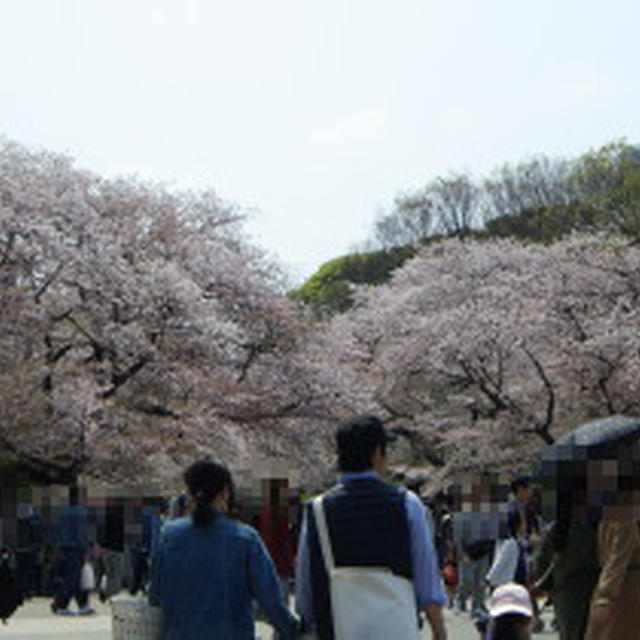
426,571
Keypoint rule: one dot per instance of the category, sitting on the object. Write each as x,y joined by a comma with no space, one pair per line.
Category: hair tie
201,496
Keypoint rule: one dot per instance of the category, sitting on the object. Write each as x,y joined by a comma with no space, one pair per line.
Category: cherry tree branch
542,428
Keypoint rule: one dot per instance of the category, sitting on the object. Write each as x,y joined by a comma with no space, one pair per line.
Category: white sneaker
86,611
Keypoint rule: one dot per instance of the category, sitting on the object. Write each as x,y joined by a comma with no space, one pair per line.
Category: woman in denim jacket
208,568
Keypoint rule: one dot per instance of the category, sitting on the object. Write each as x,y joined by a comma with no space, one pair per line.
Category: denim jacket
205,578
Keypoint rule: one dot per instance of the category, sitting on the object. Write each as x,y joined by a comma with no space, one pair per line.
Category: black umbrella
592,440
565,471
565,462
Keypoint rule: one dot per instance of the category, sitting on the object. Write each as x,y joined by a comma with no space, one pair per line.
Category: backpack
10,594
479,548
367,603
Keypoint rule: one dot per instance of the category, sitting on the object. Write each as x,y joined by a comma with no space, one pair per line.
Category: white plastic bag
505,562
87,577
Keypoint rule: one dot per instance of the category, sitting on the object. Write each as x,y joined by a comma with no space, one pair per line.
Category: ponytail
203,513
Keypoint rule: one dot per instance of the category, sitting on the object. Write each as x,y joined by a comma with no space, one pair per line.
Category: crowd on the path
366,559
65,544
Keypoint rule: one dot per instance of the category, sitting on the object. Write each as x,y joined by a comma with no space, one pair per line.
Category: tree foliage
539,199
610,181
545,224
490,350
445,206
138,328
602,194
330,289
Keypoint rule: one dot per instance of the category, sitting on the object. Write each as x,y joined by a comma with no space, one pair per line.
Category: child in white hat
511,612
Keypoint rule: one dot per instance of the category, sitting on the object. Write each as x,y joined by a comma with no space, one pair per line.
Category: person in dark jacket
29,542
111,539
151,523
10,594
569,552
74,529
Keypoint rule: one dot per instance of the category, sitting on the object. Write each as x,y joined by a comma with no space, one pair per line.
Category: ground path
34,621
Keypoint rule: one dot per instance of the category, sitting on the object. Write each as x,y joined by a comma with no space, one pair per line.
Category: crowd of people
360,524
365,559
65,545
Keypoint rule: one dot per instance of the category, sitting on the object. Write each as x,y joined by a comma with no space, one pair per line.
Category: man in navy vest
371,524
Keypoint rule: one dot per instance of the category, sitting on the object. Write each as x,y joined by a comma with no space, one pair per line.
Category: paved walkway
36,622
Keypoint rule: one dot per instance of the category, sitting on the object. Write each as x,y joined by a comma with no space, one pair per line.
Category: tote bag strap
323,534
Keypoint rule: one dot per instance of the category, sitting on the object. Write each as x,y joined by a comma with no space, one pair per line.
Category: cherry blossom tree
138,328
483,352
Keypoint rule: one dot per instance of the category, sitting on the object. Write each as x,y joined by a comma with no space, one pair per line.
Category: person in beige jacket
615,604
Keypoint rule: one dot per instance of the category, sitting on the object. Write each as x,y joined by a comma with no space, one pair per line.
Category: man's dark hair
205,480
357,439
520,482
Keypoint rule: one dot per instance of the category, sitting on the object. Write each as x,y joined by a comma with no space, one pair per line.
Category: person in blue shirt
150,515
371,524
207,568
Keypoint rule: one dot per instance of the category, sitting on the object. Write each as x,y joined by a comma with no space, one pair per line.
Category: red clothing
279,538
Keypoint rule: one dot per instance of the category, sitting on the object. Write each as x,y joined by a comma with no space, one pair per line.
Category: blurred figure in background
275,527
111,539
444,542
29,541
74,530
475,531
614,612
151,515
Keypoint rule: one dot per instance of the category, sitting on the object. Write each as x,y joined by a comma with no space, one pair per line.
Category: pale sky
316,113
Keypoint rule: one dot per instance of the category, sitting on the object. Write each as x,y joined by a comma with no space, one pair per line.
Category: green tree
329,290
609,179
544,224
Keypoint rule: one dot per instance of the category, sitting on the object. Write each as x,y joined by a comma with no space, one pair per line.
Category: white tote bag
368,603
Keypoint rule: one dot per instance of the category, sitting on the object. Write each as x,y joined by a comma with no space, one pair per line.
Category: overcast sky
316,113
